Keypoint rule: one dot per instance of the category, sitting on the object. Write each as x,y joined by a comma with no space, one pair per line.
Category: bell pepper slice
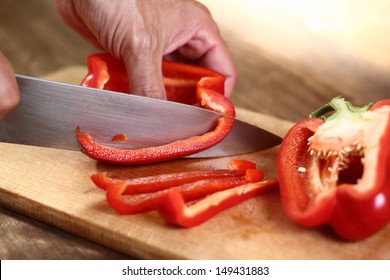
237,167
149,201
121,137
334,170
182,81
160,182
172,206
241,164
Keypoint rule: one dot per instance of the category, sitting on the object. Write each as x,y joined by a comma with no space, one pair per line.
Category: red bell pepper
181,80
335,170
191,191
148,193
241,164
172,206
237,167
184,83
163,181
106,72
121,137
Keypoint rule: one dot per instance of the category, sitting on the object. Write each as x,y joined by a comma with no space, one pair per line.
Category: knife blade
50,111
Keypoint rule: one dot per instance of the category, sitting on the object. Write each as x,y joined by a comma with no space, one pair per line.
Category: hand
142,32
9,92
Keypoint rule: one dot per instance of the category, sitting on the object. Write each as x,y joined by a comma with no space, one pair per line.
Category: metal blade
50,111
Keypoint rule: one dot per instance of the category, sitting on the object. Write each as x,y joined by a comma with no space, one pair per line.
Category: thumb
145,76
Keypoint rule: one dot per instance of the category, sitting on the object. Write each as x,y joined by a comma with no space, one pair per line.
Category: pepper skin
335,170
207,88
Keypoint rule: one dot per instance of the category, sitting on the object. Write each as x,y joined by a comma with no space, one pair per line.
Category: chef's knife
50,111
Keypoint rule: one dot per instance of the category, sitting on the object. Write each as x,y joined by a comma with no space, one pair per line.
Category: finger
70,15
218,59
9,92
145,75
210,51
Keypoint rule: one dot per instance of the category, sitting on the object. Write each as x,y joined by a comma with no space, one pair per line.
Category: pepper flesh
335,171
184,83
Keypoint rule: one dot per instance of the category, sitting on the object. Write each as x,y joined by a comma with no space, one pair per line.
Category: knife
50,111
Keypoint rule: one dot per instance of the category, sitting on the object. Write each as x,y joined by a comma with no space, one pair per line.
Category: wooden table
290,58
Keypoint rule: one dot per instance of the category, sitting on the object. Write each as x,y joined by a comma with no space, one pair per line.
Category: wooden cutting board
53,186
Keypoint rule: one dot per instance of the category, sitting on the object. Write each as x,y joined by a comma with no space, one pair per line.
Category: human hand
142,32
9,92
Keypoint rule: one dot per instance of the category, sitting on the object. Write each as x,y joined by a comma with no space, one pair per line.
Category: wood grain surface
291,56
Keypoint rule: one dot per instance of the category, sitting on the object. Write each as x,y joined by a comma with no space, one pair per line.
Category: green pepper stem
340,107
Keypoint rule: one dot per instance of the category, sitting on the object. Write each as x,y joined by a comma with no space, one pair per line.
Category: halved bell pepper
335,169
184,83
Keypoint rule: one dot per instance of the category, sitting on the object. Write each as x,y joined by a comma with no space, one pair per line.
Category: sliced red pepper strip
163,181
237,167
336,171
172,206
241,164
121,137
174,150
191,191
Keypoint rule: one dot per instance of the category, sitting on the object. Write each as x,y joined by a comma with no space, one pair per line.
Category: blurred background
292,55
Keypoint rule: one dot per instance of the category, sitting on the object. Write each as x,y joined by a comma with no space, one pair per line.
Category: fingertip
225,66
230,81
218,58
9,91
